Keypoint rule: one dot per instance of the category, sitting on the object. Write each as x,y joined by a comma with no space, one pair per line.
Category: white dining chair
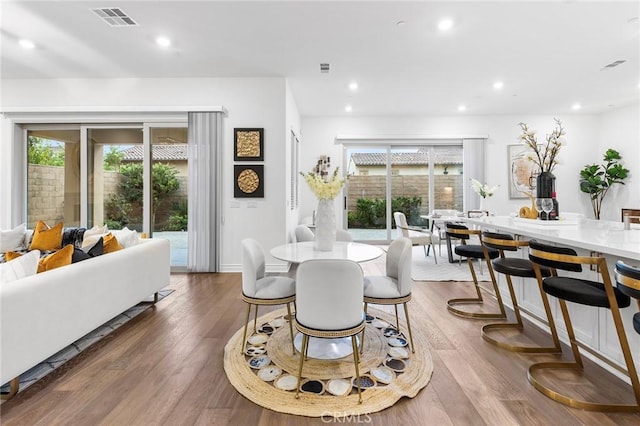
395,286
303,233
258,289
329,296
418,237
343,235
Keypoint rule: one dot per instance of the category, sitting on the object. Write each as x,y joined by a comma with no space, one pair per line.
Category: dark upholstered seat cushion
629,291
636,322
584,292
518,267
474,251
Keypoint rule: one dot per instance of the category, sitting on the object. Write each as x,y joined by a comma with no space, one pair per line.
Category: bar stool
470,252
628,280
517,267
584,292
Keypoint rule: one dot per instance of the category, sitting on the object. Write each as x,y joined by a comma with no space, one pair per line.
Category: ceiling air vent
324,68
115,17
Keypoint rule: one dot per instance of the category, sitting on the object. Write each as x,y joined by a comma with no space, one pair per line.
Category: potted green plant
597,179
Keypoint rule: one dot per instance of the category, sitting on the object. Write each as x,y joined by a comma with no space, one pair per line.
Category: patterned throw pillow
55,260
45,238
21,267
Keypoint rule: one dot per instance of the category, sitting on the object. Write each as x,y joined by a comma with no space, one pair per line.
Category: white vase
325,225
481,208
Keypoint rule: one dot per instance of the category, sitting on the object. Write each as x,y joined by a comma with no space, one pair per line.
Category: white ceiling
548,54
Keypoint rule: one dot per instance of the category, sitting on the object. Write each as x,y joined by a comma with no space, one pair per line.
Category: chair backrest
399,264
253,265
401,223
458,230
499,241
329,294
477,213
635,213
628,279
343,235
303,233
554,257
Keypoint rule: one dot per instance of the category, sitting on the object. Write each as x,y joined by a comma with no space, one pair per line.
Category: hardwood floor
166,367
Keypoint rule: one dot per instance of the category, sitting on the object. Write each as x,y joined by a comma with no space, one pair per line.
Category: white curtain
204,138
473,168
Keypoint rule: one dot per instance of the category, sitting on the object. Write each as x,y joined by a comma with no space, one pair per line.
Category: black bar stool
473,251
584,292
628,280
517,267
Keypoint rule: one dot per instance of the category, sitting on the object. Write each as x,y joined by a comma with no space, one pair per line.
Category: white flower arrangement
324,190
483,190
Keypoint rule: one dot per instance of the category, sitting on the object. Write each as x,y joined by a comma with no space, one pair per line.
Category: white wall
250,102
585,139
620,130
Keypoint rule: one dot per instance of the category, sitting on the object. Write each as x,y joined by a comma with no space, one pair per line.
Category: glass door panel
115,178
169,215
53,177
410,185
366,193
448,180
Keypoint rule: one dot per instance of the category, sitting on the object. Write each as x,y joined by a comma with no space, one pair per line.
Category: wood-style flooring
165,367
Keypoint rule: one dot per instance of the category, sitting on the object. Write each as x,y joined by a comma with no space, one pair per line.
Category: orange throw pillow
110,243
55,260
10,255
45,238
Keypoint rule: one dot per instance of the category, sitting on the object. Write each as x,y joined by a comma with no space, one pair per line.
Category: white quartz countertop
598,235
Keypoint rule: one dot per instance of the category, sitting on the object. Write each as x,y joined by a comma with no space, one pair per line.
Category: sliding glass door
413,179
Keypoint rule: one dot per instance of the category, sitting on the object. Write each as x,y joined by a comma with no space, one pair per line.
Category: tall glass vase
325,225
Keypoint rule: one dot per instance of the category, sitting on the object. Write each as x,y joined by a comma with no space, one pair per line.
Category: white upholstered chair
418,237
343,235
393,288
329,296
258,289
303,233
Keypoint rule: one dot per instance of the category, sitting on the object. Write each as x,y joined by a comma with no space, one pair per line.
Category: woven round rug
264,369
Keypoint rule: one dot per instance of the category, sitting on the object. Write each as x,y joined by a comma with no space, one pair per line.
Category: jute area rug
265,372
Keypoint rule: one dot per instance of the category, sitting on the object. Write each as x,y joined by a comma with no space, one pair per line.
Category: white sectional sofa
43,313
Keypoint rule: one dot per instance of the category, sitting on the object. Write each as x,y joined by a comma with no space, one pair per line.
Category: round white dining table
298,253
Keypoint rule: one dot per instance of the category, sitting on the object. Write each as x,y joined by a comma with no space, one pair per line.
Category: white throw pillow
96,230
91,240
126,237
13,239
20,267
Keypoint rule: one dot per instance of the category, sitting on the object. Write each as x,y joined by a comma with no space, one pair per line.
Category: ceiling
549,55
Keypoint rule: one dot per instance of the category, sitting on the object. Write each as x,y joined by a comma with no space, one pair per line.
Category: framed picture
249,181
522,171
248,144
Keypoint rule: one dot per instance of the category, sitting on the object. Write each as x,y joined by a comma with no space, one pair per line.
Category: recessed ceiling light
445,24
27,44
401,23
353,86
498,85
163,42
462,108
348,108
576,106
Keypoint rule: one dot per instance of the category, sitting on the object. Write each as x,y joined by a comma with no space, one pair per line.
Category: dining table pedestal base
326,348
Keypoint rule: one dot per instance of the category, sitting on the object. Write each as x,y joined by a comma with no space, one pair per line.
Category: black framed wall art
249,181
248,144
